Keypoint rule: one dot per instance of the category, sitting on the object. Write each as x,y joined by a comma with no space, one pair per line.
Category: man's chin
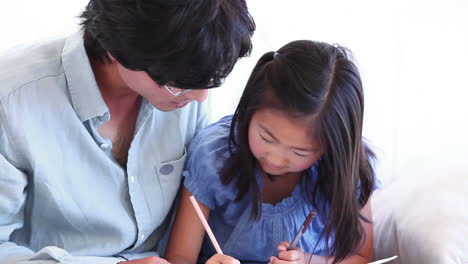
166,108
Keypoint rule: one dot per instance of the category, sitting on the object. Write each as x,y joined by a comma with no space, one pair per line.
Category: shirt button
166,169
132,179
104,145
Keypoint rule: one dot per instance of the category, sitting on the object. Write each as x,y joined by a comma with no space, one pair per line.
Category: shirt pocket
169,176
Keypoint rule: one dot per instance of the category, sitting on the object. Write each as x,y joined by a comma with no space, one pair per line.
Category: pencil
205,224
383,260
301,231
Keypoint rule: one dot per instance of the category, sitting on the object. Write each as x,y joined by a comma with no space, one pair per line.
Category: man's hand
285,256
222,259
147,260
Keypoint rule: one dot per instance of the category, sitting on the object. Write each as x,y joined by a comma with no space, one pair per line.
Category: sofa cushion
423,216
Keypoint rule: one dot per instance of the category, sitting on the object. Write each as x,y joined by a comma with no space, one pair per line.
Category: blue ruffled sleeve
207,153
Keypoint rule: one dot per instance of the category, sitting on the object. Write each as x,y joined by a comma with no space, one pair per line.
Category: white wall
28,20
412,55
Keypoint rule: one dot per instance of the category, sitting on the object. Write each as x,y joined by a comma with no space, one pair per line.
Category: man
93,127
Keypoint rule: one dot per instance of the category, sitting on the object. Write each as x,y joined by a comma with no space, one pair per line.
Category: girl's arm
187,235
187,232
364,255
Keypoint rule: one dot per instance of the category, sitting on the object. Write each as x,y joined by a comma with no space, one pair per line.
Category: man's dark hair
189,44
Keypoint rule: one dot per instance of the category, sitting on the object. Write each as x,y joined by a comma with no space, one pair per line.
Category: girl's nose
277,161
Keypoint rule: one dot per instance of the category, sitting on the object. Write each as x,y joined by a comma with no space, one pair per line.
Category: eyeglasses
174,93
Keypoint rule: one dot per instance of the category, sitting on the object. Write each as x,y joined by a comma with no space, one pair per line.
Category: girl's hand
222,259
285,256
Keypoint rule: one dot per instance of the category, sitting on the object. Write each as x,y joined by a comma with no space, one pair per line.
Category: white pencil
383,260
205,224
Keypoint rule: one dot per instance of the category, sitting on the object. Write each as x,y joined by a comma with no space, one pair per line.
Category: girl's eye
266,140
301,155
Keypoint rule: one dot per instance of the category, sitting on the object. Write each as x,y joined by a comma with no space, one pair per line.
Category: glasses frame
175,94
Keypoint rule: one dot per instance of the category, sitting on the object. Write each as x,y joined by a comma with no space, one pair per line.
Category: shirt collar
85,95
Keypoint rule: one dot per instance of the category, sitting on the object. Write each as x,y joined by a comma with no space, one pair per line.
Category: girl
293,145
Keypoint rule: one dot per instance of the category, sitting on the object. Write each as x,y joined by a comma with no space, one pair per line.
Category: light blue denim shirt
249,240
238,234
63,197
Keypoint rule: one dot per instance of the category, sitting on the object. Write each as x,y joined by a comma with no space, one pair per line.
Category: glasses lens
176,91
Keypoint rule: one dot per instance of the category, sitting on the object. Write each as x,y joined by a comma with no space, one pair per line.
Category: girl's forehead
272,115
279,122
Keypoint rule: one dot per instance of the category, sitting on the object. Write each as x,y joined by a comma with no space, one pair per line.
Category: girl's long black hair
306,78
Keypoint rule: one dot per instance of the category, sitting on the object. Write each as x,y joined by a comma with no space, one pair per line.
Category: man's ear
113,60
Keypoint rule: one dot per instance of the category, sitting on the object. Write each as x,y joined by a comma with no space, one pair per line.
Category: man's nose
198,95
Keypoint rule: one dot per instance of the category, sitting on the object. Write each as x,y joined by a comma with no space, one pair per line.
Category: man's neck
119,98
123,104
110,83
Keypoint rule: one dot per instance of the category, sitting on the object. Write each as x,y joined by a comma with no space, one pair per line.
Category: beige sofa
423,215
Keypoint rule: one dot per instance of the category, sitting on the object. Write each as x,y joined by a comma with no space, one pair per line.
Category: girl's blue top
238,234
